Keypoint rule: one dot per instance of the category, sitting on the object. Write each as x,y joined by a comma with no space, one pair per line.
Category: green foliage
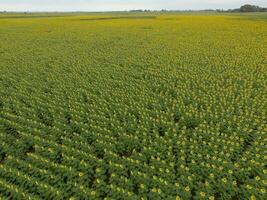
252,8
132,107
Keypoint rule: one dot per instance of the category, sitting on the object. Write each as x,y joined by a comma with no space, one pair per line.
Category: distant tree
249,8
139,10
219,10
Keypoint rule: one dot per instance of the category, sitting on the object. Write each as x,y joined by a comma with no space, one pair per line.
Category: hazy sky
107,5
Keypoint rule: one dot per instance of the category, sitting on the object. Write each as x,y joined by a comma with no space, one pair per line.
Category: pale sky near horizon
116,5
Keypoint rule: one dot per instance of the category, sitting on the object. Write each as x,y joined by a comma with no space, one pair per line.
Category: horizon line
132,10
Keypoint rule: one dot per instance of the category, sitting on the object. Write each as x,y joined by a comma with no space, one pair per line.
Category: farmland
133,106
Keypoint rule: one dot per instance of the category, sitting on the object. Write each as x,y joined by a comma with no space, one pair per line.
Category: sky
122,5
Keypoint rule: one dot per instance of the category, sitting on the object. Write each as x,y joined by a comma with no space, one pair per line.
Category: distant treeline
248,8
244,8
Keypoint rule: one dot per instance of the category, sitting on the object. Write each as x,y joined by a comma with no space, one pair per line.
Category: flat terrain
133,106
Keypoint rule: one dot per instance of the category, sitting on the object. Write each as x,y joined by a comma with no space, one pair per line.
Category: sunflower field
133,106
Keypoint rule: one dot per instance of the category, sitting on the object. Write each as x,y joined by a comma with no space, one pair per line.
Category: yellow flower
93,193
211,198
81,174
212,175
98,170
187,189
236,165
177,198
177,185
257,178
142,186
249,187
234,183
252,197
154,190
224,180
262,191
72,198
202,194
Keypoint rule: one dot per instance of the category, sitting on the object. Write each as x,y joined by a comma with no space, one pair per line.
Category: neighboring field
141,106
